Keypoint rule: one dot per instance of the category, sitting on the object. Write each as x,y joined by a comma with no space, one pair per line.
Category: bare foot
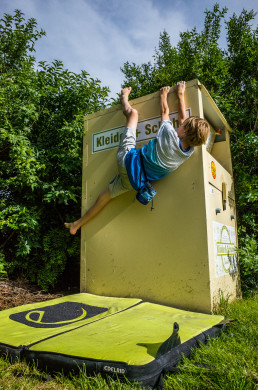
164,91
127,108
72,227
125,93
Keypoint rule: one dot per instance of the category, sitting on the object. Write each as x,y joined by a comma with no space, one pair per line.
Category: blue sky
99,36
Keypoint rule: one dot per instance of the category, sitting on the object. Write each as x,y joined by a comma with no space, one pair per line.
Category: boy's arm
180,89
164,109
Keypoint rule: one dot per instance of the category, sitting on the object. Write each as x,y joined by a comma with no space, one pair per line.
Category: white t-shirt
164,154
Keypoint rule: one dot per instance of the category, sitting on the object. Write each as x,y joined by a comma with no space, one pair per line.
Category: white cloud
84,35
99,36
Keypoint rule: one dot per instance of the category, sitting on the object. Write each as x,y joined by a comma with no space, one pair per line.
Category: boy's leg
121,182
130,113
100,203
164,109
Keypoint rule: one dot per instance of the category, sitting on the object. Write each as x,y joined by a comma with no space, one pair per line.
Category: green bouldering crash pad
113,336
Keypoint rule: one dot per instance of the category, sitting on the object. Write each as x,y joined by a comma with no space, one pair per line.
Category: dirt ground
20,292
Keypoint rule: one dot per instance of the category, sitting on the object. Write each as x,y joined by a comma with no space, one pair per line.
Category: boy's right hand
180,88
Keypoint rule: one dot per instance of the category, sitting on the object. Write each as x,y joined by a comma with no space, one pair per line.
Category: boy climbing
154,160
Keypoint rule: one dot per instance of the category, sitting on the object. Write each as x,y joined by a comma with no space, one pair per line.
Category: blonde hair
197,130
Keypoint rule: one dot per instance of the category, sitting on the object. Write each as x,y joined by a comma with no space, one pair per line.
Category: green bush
41,130
248,260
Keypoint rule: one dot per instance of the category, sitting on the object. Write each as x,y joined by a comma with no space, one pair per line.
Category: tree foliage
41,127
230,75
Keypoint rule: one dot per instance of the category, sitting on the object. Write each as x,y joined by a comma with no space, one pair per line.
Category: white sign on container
224,239
146,129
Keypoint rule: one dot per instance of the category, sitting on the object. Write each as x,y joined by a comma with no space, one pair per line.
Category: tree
41,129
230,75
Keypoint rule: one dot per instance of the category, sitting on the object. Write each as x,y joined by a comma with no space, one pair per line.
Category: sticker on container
213,170
225,256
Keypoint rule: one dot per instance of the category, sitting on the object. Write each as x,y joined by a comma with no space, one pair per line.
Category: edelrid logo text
115,370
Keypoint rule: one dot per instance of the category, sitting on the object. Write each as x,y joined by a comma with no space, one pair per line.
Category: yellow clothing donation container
182,253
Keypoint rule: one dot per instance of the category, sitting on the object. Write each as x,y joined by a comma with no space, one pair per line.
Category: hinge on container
224,196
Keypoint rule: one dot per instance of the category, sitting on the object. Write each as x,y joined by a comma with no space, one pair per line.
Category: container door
221,213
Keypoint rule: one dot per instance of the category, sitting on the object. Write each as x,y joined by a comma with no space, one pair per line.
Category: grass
231,358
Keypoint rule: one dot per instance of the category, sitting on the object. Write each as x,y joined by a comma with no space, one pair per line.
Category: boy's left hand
164,91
